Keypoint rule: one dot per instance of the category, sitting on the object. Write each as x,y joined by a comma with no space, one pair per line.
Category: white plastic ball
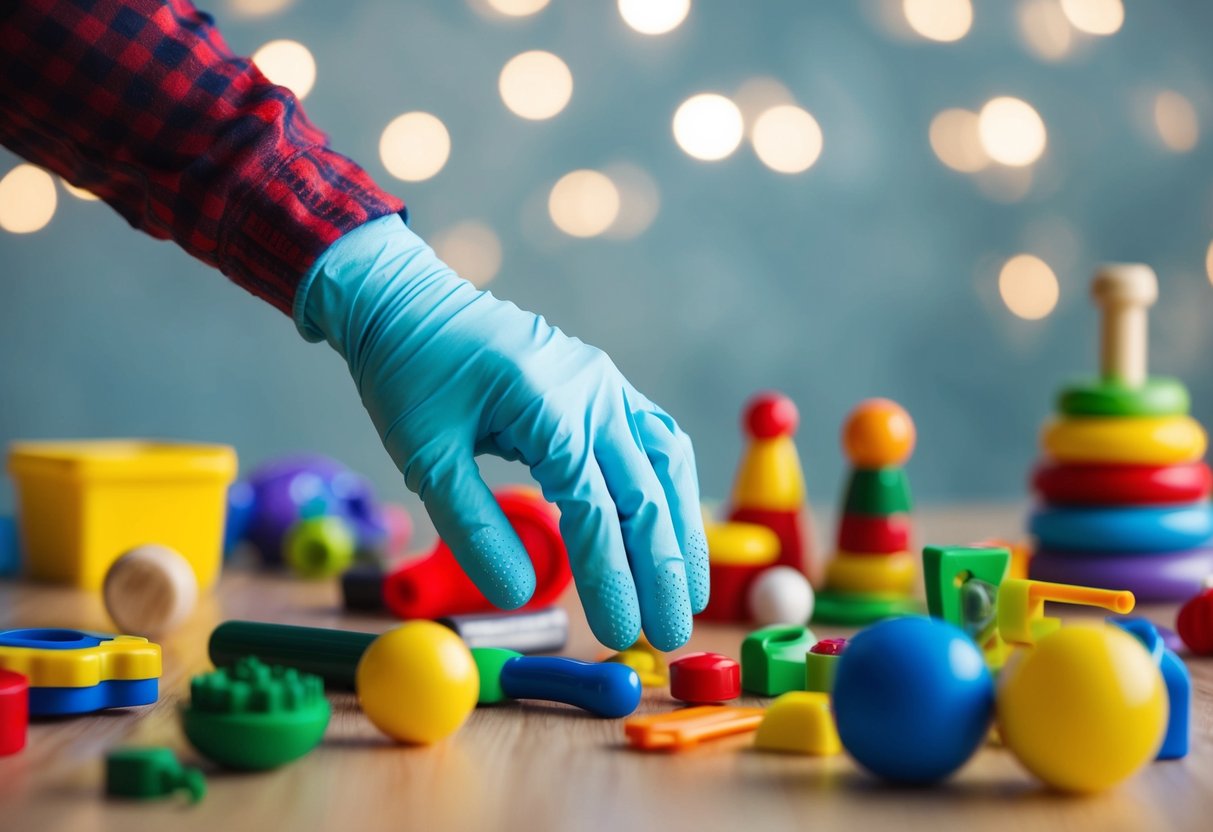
781,595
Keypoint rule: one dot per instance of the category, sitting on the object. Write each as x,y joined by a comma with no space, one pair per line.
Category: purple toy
1155,577
295,488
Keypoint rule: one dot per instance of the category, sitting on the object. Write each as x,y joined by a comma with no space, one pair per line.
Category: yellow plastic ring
741,544
850,572
1162,440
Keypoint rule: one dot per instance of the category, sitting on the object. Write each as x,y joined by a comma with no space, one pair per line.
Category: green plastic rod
330,654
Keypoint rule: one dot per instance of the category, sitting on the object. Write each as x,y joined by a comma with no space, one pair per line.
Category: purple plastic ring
1165,576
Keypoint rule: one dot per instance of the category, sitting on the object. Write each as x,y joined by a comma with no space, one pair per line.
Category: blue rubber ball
913,699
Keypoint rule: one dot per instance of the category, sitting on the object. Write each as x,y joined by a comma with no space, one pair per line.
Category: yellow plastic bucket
82,504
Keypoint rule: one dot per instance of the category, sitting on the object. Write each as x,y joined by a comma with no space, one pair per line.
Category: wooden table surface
534,766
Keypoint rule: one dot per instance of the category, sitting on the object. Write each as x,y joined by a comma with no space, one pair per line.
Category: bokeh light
1044,29
289,64
759,94
258,8
1011,131
1176,121
1028,287
78,193
654,17
955,139
1095,17
414,146
27,199
939,20
584,203
472,249
1209,262
787,139
639,200
535,85
518,8
708,127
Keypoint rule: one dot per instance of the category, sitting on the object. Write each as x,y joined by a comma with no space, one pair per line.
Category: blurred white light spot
654,17
27,199
940,20
1044,29
518,8
1209,262
471,249
1095,17
535,85
1028,287
257,8
1011,131
759,94
78,193
1176,121
955,140
584,203
289,64
787,139
639,200
414,146
708,126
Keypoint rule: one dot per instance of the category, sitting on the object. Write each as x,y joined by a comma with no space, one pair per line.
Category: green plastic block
856,609
773,659
489,661
1157,397
150,773
962,584
819,671
878,491
254,716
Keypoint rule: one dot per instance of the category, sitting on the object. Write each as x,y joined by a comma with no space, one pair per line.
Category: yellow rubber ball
1084,709
418,682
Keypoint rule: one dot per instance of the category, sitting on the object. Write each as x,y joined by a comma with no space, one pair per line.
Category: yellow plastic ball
1084,709
418,682
877,434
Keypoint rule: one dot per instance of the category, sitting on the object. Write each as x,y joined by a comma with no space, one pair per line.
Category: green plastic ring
854,609
1157,397
878,491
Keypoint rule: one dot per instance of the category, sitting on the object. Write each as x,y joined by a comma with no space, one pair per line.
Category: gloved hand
448,372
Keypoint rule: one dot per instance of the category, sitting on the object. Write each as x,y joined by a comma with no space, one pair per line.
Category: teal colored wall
873,273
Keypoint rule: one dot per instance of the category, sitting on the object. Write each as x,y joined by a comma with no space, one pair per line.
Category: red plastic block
436,586
705,678
728,600
14,711
1195,624
1122,485
872,534
791,527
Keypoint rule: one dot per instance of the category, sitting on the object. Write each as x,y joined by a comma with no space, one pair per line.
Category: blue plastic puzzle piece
1179,685
51,638
116,693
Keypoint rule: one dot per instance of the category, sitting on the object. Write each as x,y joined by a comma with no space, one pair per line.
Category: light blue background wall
874,273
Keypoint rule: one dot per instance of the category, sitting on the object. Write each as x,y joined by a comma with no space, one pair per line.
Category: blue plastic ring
1107,531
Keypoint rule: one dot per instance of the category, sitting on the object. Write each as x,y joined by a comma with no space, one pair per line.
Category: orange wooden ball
877,434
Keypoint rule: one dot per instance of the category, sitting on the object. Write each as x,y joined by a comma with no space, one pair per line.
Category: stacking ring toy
872,533
877,574
1111,530
1165,440
1122,485
1157,397
1152,577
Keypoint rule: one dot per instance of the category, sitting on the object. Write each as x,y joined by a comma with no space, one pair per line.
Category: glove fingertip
503,570
613,612
699,582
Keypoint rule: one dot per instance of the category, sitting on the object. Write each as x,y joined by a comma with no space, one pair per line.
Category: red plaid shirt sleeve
142,103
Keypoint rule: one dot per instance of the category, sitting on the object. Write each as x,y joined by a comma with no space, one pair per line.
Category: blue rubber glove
448,372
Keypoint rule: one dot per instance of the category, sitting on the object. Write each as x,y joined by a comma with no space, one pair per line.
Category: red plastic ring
1119,485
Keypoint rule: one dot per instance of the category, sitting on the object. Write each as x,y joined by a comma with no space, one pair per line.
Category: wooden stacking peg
1124,293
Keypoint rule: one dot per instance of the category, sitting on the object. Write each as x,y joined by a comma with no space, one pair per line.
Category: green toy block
150,773
254,716
878,491
773,659
962,584
1157,397
856,609
489,661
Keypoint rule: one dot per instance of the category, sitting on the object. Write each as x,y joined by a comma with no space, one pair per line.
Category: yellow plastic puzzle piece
647,661
1021,604
123,658
799,722
741,544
